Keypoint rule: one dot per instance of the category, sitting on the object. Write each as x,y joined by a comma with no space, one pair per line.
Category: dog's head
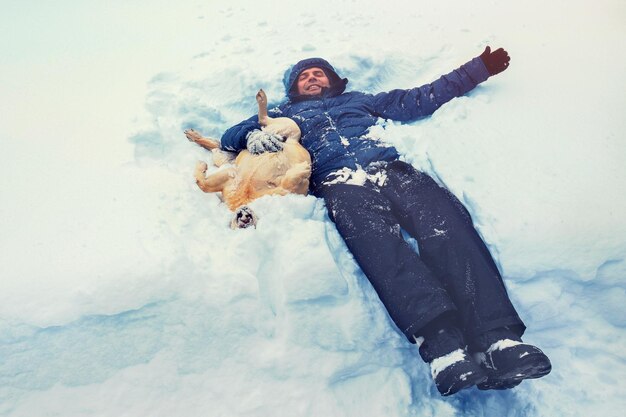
244,217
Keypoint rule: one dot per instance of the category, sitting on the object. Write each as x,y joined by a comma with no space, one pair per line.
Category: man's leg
450,246
412,295
452,249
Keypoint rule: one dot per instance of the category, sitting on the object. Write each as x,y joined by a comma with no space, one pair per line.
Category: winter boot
507,362
455,371
450,366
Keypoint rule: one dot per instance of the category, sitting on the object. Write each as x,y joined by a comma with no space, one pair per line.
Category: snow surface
124,293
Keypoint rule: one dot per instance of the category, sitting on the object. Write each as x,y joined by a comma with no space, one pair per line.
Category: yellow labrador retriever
254,176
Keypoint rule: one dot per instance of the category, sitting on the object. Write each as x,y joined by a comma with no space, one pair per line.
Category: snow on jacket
335,124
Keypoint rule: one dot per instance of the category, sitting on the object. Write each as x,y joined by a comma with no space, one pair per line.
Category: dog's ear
253,222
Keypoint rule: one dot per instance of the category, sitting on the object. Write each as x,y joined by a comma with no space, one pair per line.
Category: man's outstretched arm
412,104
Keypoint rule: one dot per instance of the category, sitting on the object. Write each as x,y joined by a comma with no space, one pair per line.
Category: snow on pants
453,273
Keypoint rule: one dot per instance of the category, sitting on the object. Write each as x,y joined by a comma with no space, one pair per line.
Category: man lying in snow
450,298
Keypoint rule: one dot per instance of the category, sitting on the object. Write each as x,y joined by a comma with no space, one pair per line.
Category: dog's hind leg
206,143
261,100
219,157
222,157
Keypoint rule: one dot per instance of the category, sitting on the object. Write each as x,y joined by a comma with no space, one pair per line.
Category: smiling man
311,81
449,298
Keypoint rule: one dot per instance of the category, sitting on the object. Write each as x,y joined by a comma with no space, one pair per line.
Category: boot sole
476,378
531,367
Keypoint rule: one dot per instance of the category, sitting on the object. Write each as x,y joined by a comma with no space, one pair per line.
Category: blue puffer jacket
334,124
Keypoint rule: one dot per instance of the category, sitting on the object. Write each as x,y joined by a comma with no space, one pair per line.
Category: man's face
311,81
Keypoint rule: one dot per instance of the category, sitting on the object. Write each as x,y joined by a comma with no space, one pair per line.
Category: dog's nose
243,217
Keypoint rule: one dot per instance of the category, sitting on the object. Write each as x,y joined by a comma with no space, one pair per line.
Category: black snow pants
453,274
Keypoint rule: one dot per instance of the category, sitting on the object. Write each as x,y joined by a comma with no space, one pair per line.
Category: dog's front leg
214,182
296,179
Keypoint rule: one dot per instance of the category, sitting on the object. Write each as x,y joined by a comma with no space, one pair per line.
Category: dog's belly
259,175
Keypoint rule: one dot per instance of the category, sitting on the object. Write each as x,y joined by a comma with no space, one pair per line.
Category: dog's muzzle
244,217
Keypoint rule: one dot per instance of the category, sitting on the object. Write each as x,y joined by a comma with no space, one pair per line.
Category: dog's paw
261,98
244,217
201,166
302,169
192,135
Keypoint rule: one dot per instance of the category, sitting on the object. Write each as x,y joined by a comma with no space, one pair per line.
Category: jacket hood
337,84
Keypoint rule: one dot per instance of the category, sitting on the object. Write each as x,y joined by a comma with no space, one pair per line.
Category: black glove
496,61
260,142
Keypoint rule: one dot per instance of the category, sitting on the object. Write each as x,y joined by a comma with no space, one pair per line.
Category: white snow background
124,293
